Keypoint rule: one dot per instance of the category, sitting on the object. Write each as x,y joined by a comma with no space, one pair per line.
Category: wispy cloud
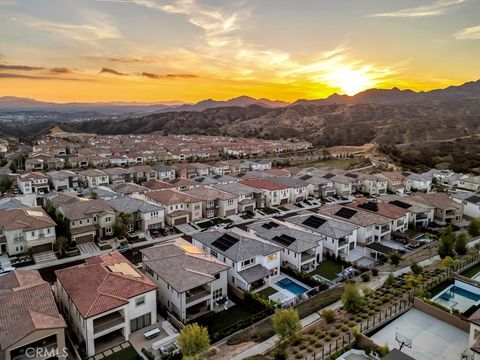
99,28
61,70
168,76
469,33
439,7
19,67
37,77
112,71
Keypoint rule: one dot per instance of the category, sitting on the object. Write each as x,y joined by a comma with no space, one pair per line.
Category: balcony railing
107,322
197,295
307,256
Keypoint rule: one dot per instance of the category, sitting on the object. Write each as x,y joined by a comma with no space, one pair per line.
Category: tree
286,323
395,258
389,280
461,244
474,227
94,196
120,227
62,243
447,241
448,262
352,300
193,340
5,184
17,163
416,269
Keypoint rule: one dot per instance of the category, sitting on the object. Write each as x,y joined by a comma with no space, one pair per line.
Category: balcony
108,322
307,256
197,310
196,294
384,229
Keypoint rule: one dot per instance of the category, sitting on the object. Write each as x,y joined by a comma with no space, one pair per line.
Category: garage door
230,212
41,248
249,208
180,221
84,239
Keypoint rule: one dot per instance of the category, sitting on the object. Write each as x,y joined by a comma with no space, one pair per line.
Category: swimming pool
458,297
291,286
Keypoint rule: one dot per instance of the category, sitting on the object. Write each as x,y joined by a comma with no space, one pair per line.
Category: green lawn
213,222
328,269
269,211
125,354
470,273
216,322
267,292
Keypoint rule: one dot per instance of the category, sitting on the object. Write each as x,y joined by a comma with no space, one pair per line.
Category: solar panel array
370,206
225,242
346,213
270,225
314,221
328,176
350,175
216,177
284,240
305,177
400,204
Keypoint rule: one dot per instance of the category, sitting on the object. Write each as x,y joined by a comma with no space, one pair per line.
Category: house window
108,219
230,202
154,214
108,230
248,262
140,322
217,294
213,253
272,257
140,301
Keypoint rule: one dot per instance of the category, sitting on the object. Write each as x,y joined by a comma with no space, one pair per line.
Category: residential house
145,215
249,198
274,193
301,250
371,184
26,229
447,211
117,175
105,295
180,208
63,180
258,165
397,182
100,192
339,237
30,318
88,219
33,182
317,186
420,182
470,202
164,172
473,351
420,214
215,179
215,203
471,183
189,281
297,188
157,185
183,184
142,173
129,189
186,171
251,262
93,177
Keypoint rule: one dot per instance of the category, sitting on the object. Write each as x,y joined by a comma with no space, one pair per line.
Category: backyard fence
365,326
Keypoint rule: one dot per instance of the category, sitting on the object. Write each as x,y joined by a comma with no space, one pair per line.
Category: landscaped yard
128,353
216,322
474,270
328,269
269,211
213,222
267,292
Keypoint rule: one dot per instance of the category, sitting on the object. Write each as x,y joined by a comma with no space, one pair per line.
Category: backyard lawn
128,353
328,269
216,322
267,292
470,273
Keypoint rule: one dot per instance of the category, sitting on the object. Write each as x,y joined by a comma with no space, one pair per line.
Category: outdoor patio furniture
151,334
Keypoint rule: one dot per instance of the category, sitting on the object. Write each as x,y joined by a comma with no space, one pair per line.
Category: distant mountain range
469,90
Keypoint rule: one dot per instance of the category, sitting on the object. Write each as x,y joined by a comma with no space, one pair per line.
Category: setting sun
350,81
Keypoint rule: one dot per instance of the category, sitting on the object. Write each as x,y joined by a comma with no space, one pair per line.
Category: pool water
457,298
291,286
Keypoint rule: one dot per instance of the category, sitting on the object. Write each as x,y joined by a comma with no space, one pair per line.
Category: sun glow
351,81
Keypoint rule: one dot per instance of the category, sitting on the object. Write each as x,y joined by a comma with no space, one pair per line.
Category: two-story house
88,219
339,237
317,186
420,214
447,211
189,281
301,250
106,294
297,188
215,203
25,229
93,177
274,193
249,198
164,172
180,208
30,318
145,215
63,180
397,182
33,182
251,262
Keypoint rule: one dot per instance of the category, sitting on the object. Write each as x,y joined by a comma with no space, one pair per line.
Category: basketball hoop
403,341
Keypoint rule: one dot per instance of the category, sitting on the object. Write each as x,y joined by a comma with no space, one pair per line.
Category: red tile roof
263,184
95,289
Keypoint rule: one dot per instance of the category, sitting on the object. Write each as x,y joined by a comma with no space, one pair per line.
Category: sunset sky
189,50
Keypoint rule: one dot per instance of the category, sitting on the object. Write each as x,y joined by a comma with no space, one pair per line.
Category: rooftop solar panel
225,242
305,177
328,176
370,206
400,204
346,213
270,225
314,221
350,175
284,240
216,177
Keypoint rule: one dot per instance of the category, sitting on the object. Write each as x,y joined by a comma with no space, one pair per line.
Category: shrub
351,298
319,343
299,356
375,272
302,346
312,341
365,277
344,328
148,354
310,349
329,315
416,269
328,338
333,334
338,326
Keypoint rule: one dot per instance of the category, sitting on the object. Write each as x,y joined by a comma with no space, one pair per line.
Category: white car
41,192
6,270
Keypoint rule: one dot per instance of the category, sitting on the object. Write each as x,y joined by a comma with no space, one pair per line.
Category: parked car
6,270
15,191
41,192
124,248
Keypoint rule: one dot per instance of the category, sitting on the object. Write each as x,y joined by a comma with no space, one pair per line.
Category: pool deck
432,339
